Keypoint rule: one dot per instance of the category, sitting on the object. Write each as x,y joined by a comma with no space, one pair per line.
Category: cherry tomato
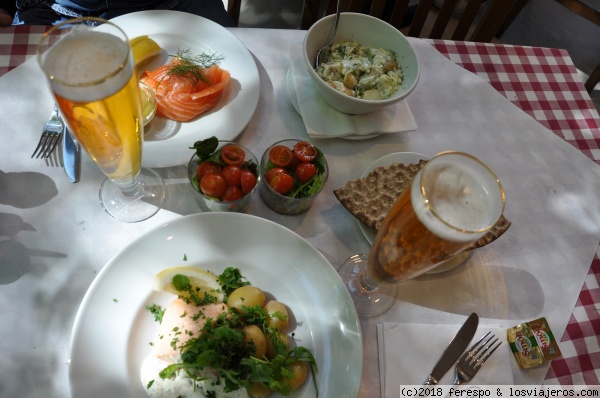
282,183
274,172
209,167
232,175
233,155
305,151
291,168
231,193
306,171
213,185
280,155
248,181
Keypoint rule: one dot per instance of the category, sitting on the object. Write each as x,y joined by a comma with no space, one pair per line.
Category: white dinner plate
113,328
407,158
291,91
166,142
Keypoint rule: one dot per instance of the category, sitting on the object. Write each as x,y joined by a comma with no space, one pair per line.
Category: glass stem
367,283
128,188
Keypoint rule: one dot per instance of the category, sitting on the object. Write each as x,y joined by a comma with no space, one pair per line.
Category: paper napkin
322,121
408,352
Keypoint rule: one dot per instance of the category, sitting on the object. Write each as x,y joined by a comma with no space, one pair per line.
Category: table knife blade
457,346
71,156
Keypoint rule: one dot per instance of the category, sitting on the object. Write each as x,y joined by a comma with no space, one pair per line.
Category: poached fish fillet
181,322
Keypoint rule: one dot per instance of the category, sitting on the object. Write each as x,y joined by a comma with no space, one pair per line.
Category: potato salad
362,72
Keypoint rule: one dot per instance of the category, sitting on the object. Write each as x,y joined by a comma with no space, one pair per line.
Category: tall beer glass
450,203
92,76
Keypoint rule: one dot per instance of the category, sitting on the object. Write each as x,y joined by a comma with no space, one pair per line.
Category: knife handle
430,381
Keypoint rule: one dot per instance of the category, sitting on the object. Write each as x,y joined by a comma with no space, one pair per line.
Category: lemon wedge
200,281
143,48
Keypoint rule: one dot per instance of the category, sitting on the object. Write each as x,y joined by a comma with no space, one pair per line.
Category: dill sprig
190,66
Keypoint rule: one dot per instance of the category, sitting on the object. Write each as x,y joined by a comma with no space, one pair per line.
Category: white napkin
408,352
322,121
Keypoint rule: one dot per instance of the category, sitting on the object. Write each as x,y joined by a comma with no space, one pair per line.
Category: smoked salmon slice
181,98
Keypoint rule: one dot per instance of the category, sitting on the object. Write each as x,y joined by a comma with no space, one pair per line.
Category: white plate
166,142
113,329
407,158
291,90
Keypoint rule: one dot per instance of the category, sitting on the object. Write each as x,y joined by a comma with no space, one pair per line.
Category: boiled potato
257,337
300,374
277,315
259,390
246,296
283,338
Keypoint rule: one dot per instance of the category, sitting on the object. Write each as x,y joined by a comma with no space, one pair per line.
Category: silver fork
53,130
471,361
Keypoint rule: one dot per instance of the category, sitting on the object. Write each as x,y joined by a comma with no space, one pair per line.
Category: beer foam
462,204
88,65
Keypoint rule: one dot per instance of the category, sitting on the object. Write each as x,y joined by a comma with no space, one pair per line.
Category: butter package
532,343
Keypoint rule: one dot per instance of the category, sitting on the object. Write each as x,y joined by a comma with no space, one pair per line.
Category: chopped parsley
157,311
231,279
221,347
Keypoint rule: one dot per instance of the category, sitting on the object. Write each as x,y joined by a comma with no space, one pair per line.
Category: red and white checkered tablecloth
542,82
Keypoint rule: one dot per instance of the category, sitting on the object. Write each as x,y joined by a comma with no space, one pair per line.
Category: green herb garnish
180,282
205,148
191,66
221,348
231,279
157,311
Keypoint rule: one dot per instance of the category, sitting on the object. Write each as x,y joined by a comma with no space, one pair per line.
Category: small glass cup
149,103
208,203
281,203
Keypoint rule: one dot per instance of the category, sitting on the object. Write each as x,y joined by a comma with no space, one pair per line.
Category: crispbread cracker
369,199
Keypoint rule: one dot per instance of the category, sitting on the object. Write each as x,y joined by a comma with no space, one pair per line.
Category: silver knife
71,156
459,343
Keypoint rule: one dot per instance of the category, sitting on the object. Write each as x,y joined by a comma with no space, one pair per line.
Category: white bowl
368,31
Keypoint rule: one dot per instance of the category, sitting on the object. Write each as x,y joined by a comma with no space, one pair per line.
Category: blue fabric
46,12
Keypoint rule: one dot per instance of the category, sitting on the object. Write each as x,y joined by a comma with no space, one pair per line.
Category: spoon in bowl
325,52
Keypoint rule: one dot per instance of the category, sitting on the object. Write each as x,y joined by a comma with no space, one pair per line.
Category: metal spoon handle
324,53
335,25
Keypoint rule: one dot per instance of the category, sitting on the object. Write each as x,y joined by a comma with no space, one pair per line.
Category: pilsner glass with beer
450,203
92,76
